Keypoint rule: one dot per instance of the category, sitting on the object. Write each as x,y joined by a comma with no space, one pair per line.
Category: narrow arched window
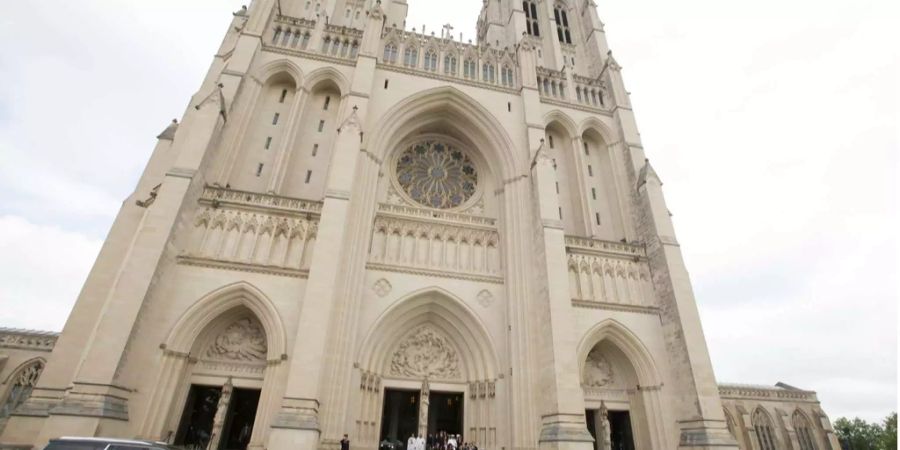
562,25
354,49
804,431
21,386
488,74
326,44
765,431
531,17
411,57
431,61
336,45
390,53
450,64
305,42
506,76
469,69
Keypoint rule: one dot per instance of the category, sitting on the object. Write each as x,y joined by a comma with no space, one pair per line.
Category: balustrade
438,244
255,232
608,272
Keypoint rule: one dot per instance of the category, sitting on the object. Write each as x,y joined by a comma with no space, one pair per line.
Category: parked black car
77,443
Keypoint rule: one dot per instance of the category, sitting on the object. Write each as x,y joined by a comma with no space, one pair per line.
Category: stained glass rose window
436,174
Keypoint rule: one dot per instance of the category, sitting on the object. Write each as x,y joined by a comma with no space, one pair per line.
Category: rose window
436,174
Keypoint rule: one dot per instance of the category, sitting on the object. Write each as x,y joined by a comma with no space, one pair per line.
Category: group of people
439,441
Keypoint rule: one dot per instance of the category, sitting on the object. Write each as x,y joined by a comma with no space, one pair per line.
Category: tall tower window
275,119
562,25
321,125
315,149
506,76
268,142
327,102
283,96
531,17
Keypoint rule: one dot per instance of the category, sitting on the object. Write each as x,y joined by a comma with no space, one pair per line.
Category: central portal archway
427,366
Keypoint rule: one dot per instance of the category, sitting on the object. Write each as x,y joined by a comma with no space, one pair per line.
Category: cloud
42,269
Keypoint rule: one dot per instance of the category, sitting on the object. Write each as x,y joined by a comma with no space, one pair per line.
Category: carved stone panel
243,341
598,371
425,354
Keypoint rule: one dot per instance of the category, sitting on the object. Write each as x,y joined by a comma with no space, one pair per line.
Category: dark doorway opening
238,424
399,417
590,416
620,430
445,413
196,425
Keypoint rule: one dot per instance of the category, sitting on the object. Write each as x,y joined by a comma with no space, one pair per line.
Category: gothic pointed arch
429,333
565,122
325,74
457,112
628,343
18,386
804,430
279,67
201,314
764,428
597,125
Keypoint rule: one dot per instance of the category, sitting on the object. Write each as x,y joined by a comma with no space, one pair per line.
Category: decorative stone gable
425,354
243,341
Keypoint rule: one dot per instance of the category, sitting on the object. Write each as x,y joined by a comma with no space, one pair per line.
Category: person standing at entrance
411,442
345,443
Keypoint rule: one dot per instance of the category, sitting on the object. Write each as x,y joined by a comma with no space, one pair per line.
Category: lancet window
411,57
470,69
804,431
488,73
506,76
450,64
390,53
431,60
22,385
765,431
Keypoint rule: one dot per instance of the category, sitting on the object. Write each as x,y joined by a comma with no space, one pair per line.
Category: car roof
107,440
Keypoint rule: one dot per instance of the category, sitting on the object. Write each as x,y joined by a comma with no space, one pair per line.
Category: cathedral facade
357,229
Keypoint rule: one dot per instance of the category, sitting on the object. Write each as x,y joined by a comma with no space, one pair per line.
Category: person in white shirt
452,441
411,442
420,443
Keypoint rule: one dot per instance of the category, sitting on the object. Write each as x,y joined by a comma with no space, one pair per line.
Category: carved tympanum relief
425,354
598,371
243,341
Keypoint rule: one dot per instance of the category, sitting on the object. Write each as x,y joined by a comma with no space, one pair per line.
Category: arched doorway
621,390
428,366
218,367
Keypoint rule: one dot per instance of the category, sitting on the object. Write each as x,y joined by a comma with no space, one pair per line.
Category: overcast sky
773,125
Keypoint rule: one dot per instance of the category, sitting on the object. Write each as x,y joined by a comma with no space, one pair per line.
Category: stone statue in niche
597,370
604,434
243,341
424,402
425,354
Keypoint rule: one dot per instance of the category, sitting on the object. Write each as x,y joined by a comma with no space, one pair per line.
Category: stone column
563,425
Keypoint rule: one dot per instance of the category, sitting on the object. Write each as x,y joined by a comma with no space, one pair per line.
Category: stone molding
218,196
28,339
652,310
242,267
774,393
435,273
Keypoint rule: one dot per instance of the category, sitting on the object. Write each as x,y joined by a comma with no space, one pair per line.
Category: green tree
888,439
857,434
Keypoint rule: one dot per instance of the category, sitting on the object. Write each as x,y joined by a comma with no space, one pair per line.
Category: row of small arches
765,434
489,72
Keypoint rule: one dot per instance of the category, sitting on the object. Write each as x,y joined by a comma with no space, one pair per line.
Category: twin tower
358,229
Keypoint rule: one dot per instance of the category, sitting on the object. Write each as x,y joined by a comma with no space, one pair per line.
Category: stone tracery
436,174
244,341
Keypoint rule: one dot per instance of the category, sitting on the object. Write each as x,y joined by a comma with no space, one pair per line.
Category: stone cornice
586,109
28,339
590,304
441,77
434,216
242,267
435,273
